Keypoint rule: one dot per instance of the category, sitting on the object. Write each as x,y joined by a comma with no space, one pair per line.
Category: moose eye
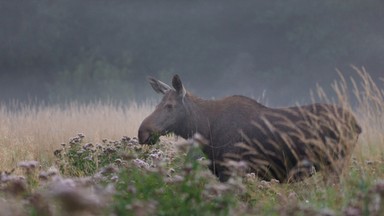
169,107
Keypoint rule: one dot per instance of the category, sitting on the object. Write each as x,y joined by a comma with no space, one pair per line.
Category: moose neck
199,115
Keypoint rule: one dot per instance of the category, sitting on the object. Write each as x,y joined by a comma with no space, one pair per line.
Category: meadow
33,132
83,159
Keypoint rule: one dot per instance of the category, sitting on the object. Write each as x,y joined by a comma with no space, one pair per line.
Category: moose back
285,144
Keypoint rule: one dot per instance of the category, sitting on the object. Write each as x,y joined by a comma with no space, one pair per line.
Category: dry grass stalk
33,131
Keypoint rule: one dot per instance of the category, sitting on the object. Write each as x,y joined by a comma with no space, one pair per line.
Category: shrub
145,190
83,159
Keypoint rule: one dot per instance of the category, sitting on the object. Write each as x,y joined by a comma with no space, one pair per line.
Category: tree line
93,50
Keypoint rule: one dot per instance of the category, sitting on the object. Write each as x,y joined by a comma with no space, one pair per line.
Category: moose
286,144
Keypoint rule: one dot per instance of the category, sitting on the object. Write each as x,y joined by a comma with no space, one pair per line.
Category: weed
193,191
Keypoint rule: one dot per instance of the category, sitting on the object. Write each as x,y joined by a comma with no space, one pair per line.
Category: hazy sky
54,50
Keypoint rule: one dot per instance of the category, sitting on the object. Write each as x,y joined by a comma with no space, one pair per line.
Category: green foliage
151,190
191,189
77,162
79,159
154,138
149,182
155,180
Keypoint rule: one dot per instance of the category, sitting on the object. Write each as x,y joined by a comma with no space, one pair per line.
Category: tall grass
370,111
360,190
159,179
365,98
33,132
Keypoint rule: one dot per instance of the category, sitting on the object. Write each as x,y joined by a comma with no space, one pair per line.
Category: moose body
274,143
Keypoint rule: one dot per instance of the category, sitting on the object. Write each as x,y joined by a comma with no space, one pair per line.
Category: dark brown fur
275,143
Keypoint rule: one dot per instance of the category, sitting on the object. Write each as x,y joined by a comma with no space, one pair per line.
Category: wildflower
75,140
292,196
137,148
108,170
114,178
29,166
217,189
242,165
156,154
16,186
125,139
369,162
109,150
118,161
89,158
140,163
239,167
200,140
274,181
52,171
43,176
203,161
57,152
250,176
8,178
80,152
134,141
88,146
264,182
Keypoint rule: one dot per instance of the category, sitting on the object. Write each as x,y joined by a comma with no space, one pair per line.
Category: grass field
33,132
162,179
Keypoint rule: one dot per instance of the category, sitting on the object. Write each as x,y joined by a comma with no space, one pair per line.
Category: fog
62,50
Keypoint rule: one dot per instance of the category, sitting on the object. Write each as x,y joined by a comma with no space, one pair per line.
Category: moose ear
178,85
158,86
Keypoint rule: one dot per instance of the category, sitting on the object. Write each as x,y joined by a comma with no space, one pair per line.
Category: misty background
87,50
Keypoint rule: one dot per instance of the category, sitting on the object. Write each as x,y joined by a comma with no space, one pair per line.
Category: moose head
169,113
